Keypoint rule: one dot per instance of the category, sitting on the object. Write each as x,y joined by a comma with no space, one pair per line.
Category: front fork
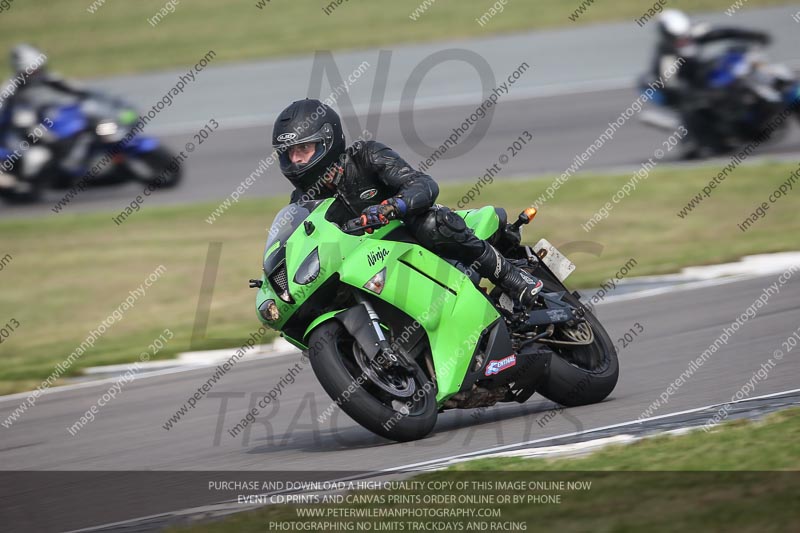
386,356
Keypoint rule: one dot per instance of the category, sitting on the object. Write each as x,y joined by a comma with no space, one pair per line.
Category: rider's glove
387,211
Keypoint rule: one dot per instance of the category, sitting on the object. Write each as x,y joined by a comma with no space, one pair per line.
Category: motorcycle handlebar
354,226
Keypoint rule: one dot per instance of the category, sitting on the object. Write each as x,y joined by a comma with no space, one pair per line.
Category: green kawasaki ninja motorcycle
396,334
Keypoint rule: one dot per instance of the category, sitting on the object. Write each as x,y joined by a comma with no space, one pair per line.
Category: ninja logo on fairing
377,255
495,367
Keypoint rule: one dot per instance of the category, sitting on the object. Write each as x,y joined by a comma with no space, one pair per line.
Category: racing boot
517,283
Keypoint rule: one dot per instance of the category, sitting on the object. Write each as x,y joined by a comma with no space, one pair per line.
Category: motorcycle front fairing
68,121
305,252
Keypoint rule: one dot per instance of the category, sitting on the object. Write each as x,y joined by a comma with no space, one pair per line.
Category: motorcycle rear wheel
579,375
582,375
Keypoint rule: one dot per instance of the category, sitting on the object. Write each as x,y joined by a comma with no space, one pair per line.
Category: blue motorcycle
97,140
743,99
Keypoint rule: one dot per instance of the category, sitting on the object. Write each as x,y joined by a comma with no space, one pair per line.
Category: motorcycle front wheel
25,193
156,168
391,404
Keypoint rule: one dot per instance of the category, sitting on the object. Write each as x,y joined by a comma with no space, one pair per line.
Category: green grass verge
725,480
70,271
773,444
117,38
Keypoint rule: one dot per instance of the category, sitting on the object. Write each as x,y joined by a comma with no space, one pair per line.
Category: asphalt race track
128,433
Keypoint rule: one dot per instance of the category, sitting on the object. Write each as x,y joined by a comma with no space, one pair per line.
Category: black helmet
302,122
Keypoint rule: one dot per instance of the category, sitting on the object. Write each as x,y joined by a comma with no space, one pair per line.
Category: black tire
579,376
30,195
571,383
159,160
337,372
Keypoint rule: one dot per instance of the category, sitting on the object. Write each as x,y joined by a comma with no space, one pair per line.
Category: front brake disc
394,384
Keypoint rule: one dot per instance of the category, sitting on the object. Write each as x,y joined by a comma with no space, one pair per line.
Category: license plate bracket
555,260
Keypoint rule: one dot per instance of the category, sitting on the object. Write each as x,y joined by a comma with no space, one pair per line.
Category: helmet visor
322,140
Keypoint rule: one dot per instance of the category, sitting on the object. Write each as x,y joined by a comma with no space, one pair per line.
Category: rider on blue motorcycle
28,95
681,40
678,38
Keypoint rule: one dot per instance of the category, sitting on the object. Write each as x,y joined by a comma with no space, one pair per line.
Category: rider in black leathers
374,183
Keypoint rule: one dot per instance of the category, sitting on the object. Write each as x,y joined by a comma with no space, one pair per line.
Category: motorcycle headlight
23,118
309,269
106,128
269,311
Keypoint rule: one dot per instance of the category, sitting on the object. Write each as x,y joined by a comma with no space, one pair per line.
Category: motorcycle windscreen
286,222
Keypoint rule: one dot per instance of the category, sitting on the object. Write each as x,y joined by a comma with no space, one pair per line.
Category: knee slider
450,225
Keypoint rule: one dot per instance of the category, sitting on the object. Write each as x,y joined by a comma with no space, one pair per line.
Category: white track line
489,451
